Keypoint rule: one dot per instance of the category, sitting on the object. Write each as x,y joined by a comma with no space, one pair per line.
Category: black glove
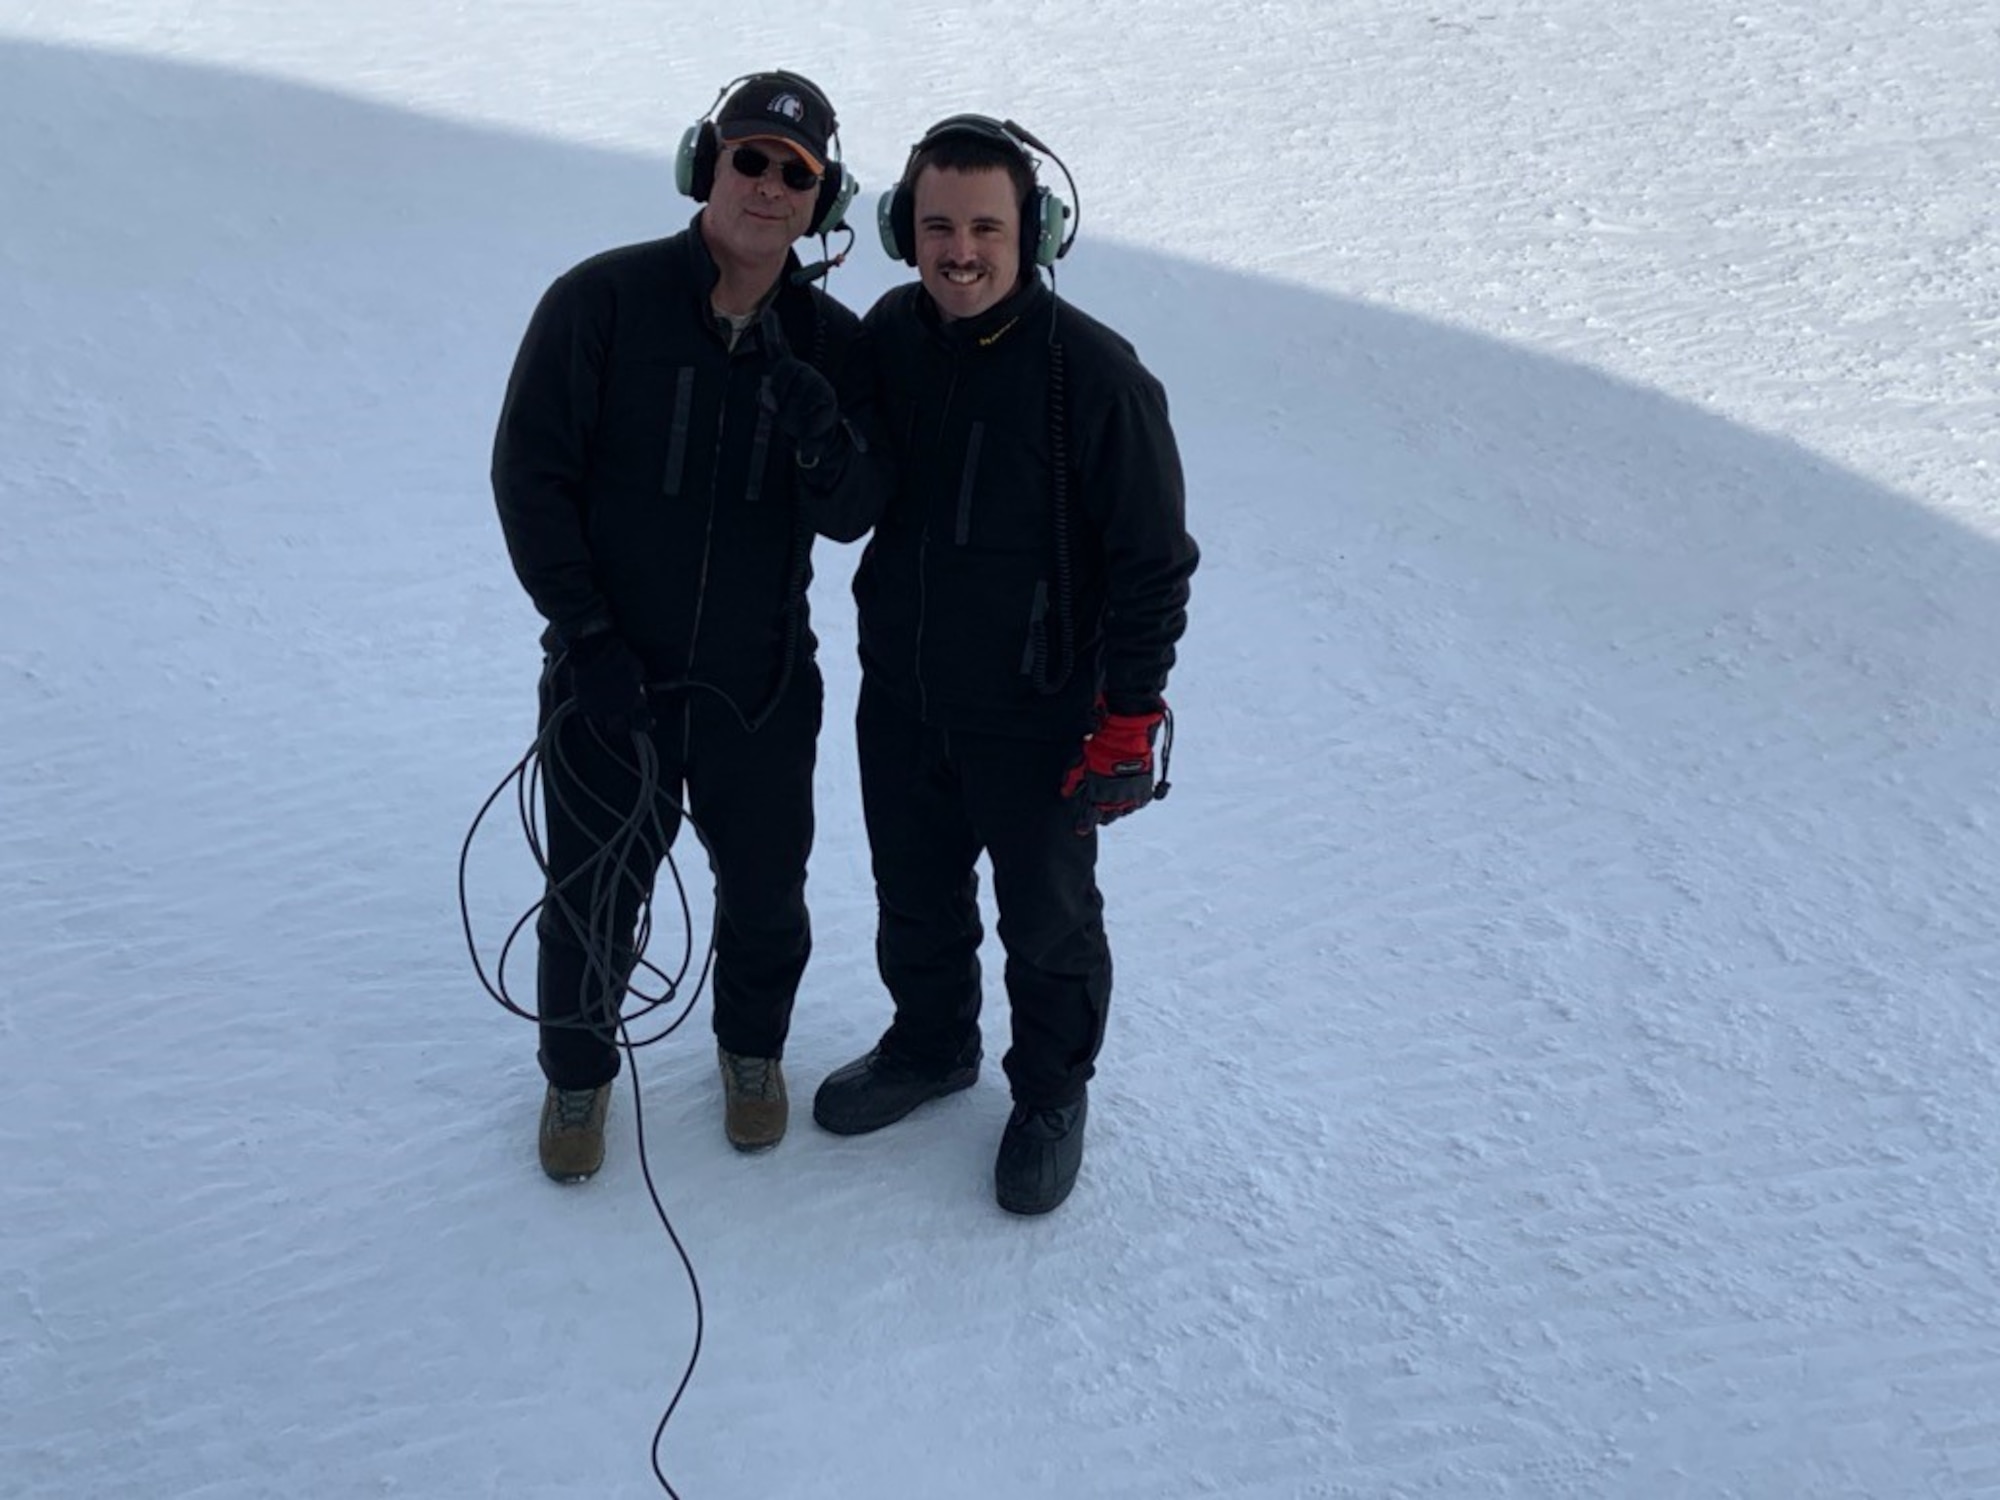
804,408
607,682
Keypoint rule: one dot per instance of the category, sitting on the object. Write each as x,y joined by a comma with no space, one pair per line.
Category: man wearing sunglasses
667,448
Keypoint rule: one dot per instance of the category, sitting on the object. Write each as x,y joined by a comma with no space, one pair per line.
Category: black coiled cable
586,900
1060,616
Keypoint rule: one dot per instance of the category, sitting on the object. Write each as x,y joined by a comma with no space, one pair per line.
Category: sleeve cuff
1134,705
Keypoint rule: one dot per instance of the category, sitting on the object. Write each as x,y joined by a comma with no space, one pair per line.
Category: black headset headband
981,127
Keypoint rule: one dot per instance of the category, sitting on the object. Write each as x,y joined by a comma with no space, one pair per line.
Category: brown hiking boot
754,1106
572,1136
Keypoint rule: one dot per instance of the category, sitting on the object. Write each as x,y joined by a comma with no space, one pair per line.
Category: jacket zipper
708,531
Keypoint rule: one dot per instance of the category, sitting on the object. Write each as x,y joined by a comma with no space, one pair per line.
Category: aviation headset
701,146
1046,230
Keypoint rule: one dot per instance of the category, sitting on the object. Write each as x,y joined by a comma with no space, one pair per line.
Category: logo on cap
788,105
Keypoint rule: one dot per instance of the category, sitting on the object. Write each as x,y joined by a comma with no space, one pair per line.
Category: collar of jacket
707,273
1024,307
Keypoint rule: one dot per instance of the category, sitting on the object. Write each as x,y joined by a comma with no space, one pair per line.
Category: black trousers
750,794
934,800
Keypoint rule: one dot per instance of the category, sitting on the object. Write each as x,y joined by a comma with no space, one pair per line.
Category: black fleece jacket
639,481
975,609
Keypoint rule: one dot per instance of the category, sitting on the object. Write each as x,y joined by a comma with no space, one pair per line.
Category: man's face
757,217
968,238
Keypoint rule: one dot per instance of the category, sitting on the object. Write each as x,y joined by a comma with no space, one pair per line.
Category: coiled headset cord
586,901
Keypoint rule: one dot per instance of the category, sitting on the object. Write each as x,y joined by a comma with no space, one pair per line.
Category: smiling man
668,445
968,227
1020,602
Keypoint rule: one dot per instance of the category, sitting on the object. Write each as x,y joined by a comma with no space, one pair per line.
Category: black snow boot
1040,1151
881,1088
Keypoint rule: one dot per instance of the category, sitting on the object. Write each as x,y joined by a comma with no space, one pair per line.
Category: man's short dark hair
974,153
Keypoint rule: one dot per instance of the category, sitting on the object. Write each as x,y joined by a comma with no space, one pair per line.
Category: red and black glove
1113,774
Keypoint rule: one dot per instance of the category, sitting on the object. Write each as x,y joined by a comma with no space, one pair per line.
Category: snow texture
1555,1049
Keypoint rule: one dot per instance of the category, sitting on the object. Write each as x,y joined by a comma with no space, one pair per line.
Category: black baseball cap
779,107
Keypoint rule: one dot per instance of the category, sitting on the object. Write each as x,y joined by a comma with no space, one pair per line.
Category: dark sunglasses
752,163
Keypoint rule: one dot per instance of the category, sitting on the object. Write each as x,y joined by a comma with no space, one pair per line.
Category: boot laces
753,1077
574,1108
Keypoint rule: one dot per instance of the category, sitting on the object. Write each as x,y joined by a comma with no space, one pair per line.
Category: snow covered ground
1555,1051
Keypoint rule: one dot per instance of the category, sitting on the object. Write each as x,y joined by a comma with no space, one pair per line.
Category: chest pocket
680,416
1002,495
968,481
